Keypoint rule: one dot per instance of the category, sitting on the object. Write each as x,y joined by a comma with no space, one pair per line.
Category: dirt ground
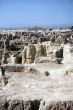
34,83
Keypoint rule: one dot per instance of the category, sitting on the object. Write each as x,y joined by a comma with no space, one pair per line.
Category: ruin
36,69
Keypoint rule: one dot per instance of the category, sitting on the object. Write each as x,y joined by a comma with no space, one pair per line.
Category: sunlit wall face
23,13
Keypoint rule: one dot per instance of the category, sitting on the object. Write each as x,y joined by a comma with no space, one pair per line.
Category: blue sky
27,13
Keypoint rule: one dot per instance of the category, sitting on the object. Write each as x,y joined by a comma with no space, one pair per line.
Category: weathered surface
14,68
38,88
13,59
59,53
15,105
24,55
56,105
19,104
39,51
30,53
43,84
3,103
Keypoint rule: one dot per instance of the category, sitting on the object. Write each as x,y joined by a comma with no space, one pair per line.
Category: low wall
14,68
19,104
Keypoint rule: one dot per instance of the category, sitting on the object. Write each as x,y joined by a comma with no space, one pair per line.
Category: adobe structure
36,69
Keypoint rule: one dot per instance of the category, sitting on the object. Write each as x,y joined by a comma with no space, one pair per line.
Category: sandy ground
34,84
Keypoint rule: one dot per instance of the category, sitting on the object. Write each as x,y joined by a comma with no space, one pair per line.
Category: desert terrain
36,70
